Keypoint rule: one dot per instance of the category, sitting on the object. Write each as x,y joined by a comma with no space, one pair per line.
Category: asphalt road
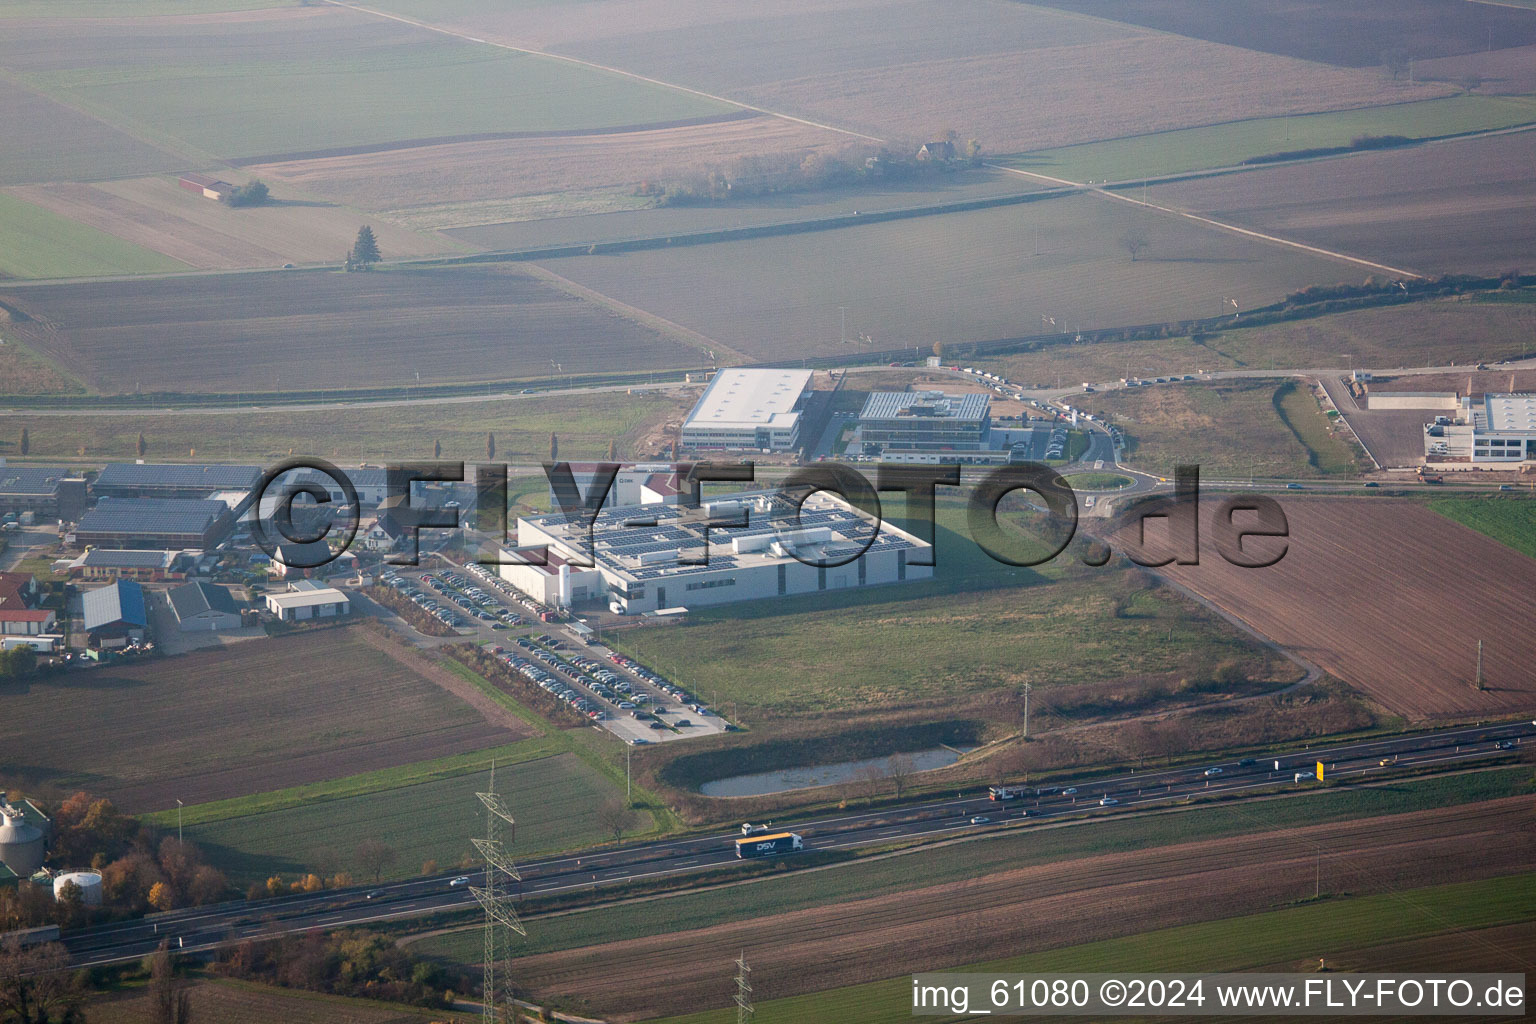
205,928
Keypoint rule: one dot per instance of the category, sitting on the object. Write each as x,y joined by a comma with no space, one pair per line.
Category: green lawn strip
1098,481
1227,145
359,785
1300,932
555,801
38,243
1298,410
1030,845
1510,521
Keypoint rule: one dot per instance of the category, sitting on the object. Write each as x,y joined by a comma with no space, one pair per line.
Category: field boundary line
456,34
659,324
1212,222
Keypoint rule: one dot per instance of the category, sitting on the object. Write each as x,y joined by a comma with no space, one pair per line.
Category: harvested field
1461,207
270,331
158,215
972,276
478,182
1034,908
1423,333
1391,598
257,716
299,78
1350,33
1080,93
842,61
38,243
78,146
232,1002
1470,382
1508,72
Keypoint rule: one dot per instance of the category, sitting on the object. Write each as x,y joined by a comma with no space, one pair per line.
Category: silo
88,881
21,844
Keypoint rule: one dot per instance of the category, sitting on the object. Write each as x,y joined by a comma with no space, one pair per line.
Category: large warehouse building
641,568
49,492
749,410
1495,428
167,524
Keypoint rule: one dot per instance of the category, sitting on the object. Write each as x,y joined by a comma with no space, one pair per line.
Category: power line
500,914
744,1008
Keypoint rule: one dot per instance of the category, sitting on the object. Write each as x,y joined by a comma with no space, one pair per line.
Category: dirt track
1391,598
1035,908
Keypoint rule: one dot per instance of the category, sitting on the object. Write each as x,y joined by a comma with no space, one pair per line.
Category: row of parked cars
472,598
424,600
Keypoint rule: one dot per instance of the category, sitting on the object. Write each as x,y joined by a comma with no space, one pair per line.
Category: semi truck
770,845
1007,792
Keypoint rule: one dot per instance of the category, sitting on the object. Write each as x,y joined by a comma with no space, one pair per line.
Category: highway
206,928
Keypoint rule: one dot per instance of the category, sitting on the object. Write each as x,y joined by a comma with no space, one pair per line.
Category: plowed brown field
1391,598
1035,908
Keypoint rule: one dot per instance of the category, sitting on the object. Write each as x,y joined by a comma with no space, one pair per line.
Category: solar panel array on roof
152,516
180,476
22,480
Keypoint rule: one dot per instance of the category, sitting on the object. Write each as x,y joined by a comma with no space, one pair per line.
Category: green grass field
1098,481
584,424
866,879
554,799
325,95
1510,521
1280,936
978,626
1225,145
1230,430
37,243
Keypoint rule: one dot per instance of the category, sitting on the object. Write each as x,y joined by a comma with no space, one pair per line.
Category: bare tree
1396,61
170,997
36,986
374,857
1135,242
899,769
615,818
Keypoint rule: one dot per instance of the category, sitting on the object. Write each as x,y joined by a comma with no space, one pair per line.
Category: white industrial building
749,410
308,600
638,484
1496,428
638,557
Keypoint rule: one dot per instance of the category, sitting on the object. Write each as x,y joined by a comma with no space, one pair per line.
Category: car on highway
1107,801
1248,762
1213,771
374,894
1505,745
462,880
981,819
1069,791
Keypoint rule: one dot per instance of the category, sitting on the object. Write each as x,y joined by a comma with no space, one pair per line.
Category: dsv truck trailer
770,845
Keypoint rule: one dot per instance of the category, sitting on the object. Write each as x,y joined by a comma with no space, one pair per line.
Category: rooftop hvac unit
653,557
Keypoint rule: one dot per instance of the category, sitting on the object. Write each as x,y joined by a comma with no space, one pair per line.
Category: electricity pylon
744,1008
497,903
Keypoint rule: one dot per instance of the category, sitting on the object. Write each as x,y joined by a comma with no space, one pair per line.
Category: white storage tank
88,881
21,844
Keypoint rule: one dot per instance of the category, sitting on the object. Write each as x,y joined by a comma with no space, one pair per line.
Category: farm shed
203,608
300,605
115,614
206,186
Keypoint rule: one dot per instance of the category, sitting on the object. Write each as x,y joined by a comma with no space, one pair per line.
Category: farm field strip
1158,154
1358,583
1035,908
320,330
1461,206
36,242
1285,939
1510,521
150,733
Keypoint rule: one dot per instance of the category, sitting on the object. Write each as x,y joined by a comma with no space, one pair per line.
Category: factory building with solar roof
167,524
643,558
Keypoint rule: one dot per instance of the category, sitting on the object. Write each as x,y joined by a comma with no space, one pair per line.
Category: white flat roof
1511,412
747,399
306,598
